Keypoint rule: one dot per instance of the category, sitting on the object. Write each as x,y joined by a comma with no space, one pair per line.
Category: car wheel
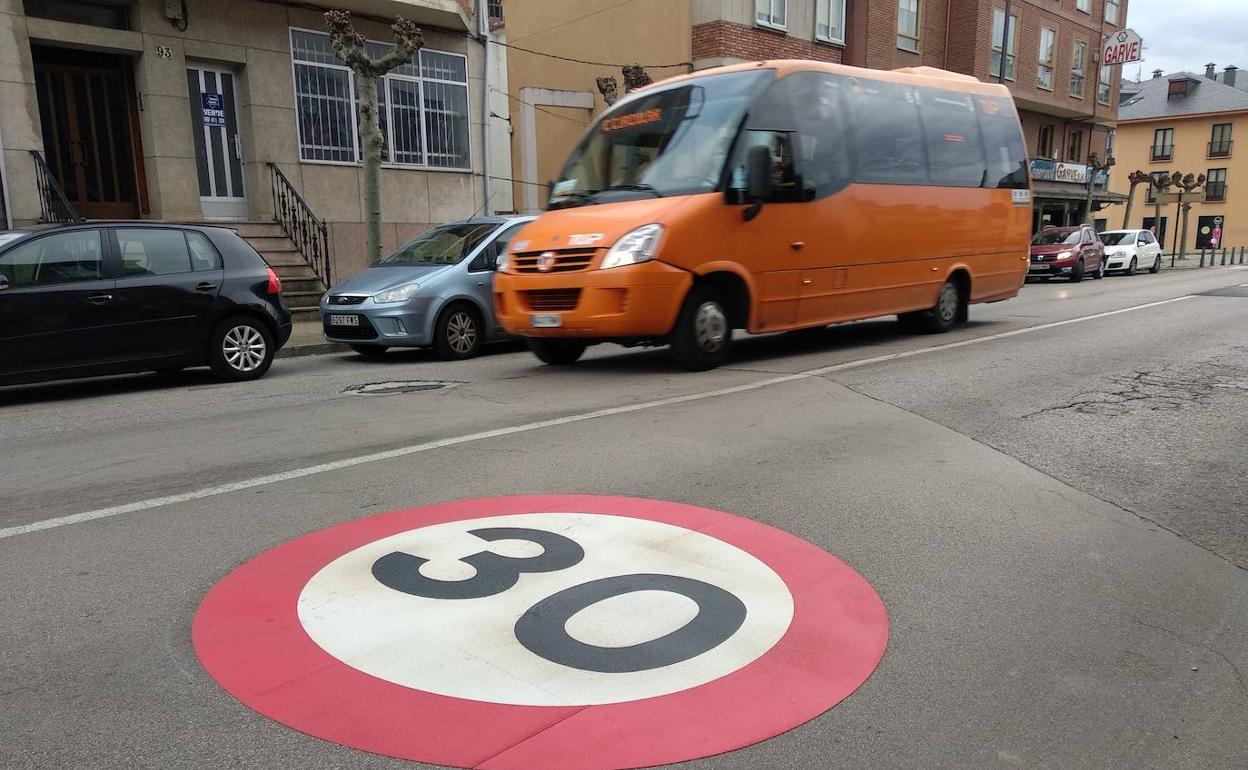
370,351
1134,265
556,352
1100,270
457,335
1156,268
240,349
1076,275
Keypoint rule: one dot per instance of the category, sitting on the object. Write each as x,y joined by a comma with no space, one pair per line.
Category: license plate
344,320
547,321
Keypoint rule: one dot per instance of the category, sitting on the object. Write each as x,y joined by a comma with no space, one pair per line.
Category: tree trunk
1126,217
371,141
1187,209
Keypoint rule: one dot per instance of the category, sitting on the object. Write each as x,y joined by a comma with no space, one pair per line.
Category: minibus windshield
670,141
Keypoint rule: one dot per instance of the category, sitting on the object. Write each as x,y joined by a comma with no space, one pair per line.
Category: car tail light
275,283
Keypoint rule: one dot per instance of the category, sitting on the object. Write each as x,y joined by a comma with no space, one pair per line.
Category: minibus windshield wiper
637,187
573,198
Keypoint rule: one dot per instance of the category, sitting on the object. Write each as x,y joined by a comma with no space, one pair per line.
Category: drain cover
396,387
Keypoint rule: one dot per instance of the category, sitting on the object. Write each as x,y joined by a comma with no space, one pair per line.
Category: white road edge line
313,470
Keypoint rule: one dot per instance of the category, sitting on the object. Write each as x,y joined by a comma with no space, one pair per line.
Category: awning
1073,192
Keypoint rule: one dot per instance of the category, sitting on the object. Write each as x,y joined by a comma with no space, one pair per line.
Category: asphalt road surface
1051,501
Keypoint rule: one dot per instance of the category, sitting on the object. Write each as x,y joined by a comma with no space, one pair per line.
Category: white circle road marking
467,648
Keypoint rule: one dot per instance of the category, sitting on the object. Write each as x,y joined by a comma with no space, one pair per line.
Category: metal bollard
1223,256
1202,257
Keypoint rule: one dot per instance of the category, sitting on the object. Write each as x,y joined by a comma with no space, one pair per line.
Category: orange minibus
769,197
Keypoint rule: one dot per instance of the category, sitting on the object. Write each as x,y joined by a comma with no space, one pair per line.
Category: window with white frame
1078,75
771,13
1111,11
908,25
1103,90
830,21
1011,47
1047,56
1084,5
424,106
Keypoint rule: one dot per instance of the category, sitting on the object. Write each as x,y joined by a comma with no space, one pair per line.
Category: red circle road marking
248,635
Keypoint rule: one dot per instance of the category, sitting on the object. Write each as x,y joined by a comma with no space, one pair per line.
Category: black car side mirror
757,179
4,281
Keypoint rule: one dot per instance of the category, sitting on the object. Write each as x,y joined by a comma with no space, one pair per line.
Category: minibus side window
822,132
771,124
955,150
1007,158
887,141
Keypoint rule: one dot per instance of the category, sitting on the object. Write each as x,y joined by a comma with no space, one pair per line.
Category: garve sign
1122,47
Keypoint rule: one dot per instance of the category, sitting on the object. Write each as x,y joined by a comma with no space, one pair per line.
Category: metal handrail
1215,192
309,234
1220,149
1162,152
54,205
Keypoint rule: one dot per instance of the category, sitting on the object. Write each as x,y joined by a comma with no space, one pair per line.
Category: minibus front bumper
632,302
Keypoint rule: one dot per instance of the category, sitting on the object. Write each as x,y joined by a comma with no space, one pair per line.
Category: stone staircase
300,286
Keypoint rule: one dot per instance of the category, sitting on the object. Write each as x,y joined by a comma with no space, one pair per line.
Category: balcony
447,14
1161,154
1220,149
1215,192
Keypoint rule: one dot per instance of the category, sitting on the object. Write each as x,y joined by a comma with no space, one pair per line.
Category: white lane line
350,462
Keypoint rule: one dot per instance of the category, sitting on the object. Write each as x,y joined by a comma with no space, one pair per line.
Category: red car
1068,251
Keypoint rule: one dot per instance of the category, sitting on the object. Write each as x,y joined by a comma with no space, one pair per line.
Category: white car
1131,250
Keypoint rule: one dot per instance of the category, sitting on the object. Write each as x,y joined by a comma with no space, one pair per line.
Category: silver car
436,291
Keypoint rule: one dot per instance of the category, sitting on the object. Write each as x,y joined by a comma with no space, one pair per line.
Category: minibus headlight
397,294
638,246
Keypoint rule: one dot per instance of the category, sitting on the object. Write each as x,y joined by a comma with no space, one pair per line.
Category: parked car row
1079,252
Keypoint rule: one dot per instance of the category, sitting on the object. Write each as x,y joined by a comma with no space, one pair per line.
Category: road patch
543,631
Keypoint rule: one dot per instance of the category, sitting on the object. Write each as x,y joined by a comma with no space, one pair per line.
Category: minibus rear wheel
950,308
556,352
703,331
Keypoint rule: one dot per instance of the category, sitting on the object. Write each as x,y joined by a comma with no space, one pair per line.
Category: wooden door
87,139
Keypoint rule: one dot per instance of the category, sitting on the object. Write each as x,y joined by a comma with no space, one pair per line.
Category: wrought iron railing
54,205
309,234
1221,149
1215,192
1161,152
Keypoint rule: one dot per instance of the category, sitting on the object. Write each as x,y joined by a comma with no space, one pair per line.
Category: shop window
1209,231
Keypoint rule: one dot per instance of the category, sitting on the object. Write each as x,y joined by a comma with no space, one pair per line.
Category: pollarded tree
350,48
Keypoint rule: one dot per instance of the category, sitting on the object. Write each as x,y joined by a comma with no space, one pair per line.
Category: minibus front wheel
703,331
556,352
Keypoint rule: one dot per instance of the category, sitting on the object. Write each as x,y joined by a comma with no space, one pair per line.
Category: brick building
1067,102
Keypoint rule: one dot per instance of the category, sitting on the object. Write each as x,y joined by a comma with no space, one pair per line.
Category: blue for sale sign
214,109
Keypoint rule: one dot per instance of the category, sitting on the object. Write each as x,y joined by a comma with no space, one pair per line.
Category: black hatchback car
114,297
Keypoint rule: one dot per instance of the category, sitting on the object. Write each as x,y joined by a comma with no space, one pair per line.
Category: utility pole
1005,38
483,30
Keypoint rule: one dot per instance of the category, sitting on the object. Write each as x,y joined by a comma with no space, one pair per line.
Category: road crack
1171,388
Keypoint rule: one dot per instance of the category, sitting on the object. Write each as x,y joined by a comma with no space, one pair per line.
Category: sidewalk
1193,261
307,339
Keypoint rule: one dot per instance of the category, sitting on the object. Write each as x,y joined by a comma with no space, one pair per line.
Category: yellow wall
609,31
1191,142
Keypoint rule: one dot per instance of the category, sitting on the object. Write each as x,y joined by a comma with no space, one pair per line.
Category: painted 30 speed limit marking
544,631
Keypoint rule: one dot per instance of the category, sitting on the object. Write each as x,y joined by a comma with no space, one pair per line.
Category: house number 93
164,52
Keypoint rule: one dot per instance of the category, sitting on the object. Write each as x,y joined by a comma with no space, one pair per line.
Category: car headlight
398,294
636,247
1065,254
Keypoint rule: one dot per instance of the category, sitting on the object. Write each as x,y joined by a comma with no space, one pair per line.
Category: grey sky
1187,34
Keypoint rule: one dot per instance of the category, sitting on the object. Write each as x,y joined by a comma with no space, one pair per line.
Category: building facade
1068,103
557,50
182,111
1186,123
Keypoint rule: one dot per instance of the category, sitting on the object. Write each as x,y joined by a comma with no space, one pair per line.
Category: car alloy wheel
461,332
244,348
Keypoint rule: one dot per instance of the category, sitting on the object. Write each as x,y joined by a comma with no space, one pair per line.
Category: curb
311,350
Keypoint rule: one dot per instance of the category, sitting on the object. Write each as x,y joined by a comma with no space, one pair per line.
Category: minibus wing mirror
758,179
